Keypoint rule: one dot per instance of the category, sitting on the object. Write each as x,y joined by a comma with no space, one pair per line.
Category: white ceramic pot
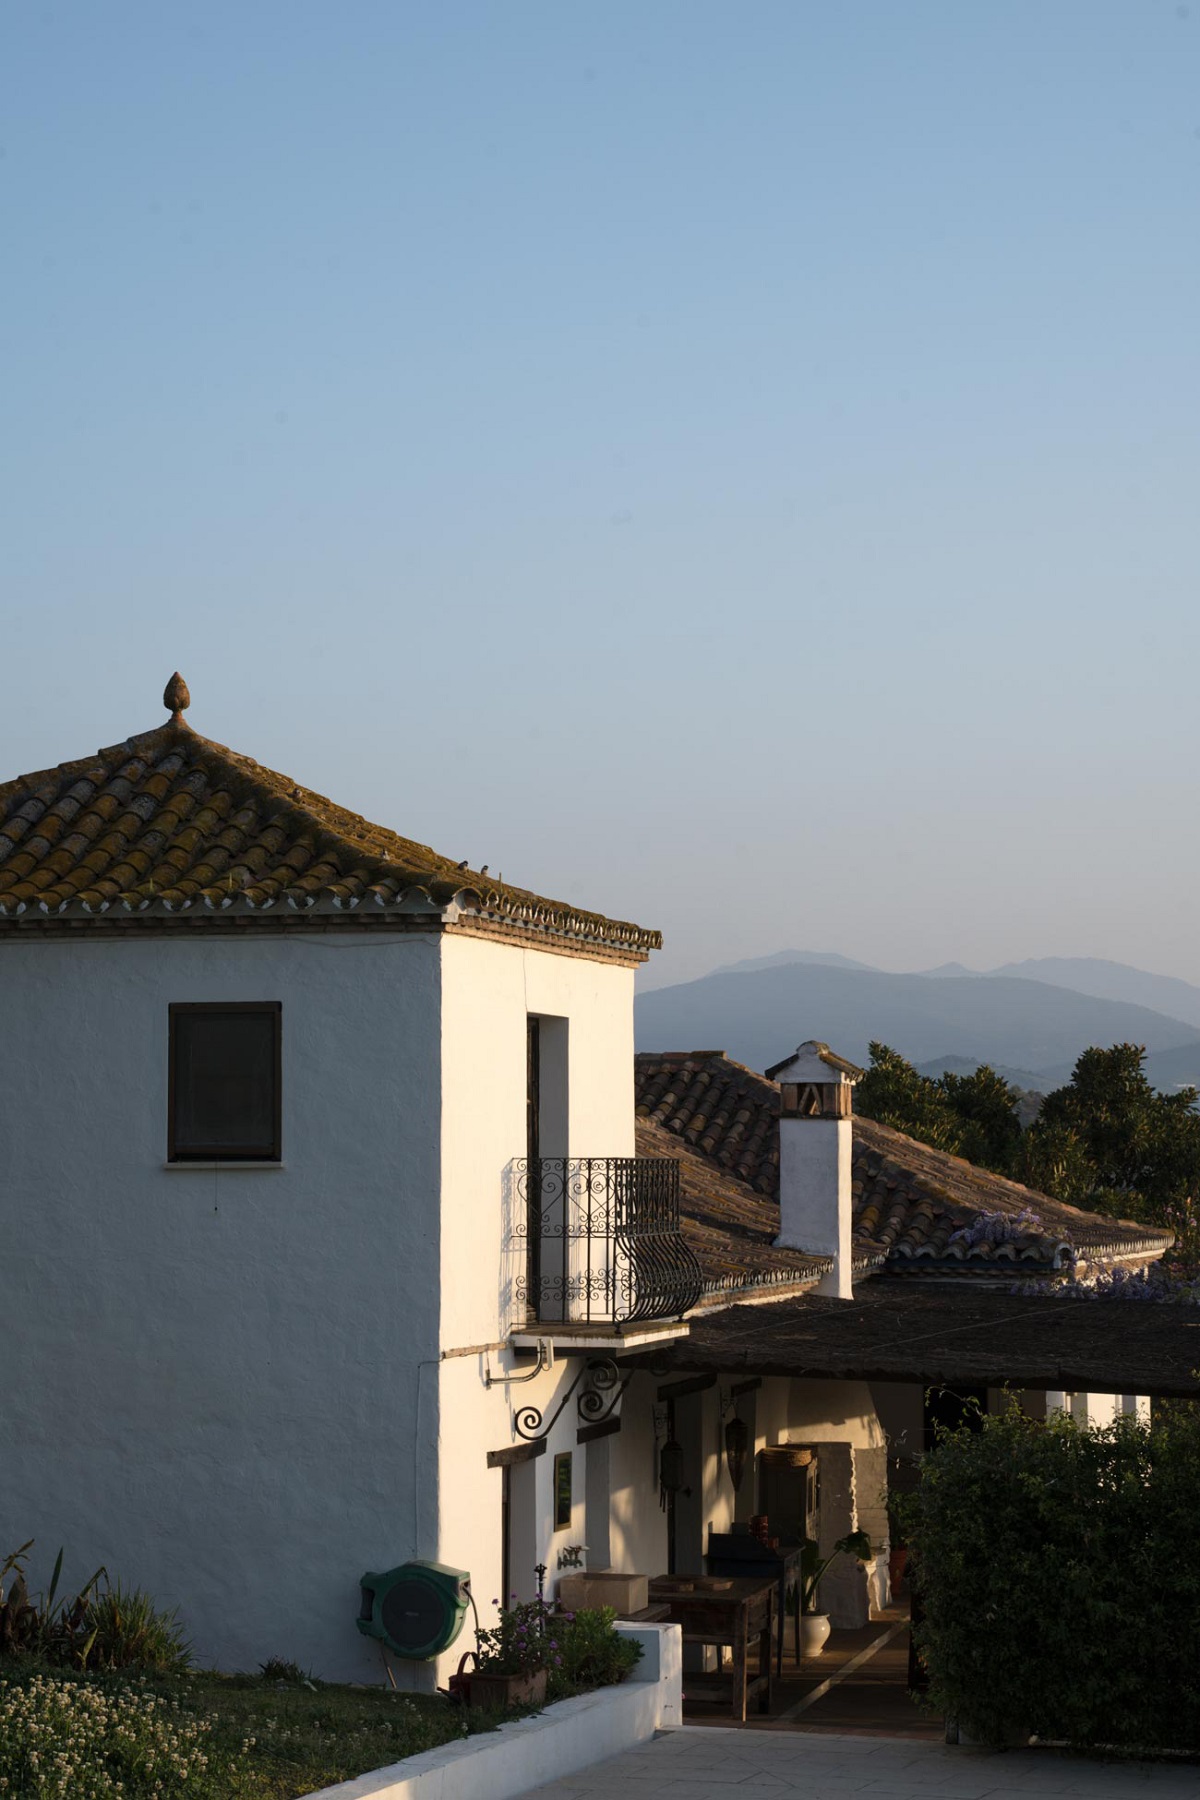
814,1633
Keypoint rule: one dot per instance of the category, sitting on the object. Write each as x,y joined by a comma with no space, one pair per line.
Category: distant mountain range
1105,980
1032,1080
1029,1020
827,958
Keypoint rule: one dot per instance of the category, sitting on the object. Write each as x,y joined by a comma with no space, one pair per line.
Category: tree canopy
970,1115
1107,1140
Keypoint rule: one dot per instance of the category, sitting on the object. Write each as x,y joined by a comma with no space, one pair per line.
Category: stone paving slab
710,1763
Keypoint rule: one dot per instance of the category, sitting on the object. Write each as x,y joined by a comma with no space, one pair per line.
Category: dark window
224,1081
952,1408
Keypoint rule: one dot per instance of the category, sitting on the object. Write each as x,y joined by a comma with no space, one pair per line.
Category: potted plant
516,1656
814,1625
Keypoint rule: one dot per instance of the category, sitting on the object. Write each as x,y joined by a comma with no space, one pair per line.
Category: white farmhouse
331,1240
271,1076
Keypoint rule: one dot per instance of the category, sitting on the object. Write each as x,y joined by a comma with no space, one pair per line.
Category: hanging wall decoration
737,1443
670,1471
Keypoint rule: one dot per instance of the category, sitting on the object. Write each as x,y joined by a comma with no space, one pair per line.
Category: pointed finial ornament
176,698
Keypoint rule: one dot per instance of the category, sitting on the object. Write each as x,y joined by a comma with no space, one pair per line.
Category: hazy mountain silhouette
1031,1080
828,958
1171,1069
1112,981
758,1015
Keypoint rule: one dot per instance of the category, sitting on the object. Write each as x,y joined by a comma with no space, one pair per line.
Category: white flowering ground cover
203,1737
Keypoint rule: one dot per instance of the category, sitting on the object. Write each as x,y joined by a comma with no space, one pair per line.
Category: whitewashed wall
211,1379
488,990
241,1388
637,1524
1100,1409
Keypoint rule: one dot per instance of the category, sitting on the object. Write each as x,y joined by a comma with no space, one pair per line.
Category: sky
732,466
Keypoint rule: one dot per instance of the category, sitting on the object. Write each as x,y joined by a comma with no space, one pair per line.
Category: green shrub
51,1629
127,1631
276,1669
590,1653
103,1626
1061,1593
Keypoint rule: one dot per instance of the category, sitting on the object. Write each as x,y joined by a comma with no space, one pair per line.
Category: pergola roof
946,1334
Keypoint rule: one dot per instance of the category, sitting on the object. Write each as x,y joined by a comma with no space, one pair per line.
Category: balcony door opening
546,1124
533,1172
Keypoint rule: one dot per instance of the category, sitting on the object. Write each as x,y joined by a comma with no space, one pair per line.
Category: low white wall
572,1735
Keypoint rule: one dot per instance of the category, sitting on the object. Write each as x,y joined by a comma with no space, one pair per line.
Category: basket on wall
494,1691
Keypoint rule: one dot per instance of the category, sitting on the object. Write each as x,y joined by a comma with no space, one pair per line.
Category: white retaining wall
572,1735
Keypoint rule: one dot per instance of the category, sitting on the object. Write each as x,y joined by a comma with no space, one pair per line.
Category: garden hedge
1058,1572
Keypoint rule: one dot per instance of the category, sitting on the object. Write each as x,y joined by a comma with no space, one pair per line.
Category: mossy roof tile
169,821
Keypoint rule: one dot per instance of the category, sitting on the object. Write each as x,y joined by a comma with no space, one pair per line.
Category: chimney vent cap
814,1052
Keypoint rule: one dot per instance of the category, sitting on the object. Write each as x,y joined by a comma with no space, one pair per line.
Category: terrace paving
724,1763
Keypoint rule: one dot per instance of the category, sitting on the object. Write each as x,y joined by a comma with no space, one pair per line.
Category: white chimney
816,1145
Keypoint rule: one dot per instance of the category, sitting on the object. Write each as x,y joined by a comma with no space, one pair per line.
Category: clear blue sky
735,466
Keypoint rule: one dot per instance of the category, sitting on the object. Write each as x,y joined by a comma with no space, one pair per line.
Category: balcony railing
602,1240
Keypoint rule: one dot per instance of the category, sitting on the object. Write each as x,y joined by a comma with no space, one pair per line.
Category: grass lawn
263,1740
304,1740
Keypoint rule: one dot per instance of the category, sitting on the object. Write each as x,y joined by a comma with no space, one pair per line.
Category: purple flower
553,1644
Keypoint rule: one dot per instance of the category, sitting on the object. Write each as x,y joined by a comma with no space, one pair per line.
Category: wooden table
739,1554
713,1610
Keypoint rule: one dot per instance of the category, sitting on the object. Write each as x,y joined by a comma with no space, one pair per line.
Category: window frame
256,1153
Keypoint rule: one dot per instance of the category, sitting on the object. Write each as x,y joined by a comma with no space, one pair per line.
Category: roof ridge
1035,1196
680,1057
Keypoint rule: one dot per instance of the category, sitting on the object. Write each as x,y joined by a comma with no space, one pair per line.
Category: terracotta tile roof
168,823
909,1199
730,1227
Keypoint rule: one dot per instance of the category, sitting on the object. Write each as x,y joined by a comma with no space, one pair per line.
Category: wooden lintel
587,1434
744,1387
516,1453
694,1384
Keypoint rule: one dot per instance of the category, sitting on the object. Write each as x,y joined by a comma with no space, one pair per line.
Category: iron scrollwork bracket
603,1391
601,1395
528,1422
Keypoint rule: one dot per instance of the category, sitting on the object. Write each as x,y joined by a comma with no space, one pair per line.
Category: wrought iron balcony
602,1240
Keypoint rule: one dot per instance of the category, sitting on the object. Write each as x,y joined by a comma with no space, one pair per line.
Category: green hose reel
416,1610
